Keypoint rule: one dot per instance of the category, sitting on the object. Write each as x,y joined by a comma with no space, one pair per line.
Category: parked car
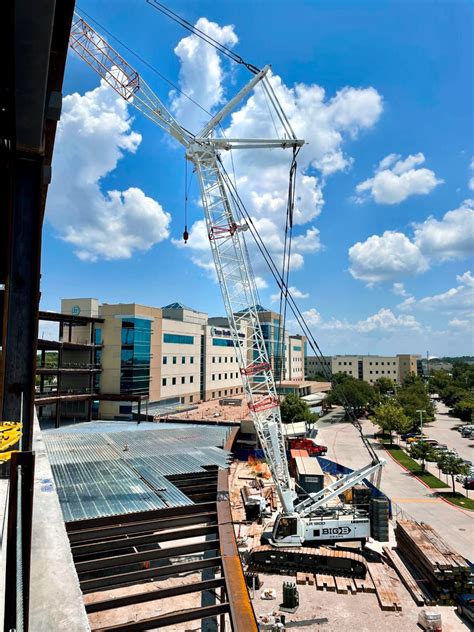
416,437
406,435
468,482
467,432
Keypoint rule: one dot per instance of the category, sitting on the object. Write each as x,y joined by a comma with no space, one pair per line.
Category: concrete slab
56,599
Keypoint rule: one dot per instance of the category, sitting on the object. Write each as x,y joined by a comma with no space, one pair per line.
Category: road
409,496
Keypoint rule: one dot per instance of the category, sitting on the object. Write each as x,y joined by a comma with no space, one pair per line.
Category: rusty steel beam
241,610
162,593
140,540
164,620
136,577
127,559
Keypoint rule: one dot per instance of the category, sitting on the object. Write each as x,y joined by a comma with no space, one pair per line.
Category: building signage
225,332
76,310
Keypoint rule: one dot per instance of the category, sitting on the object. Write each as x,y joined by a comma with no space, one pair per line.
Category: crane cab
287,530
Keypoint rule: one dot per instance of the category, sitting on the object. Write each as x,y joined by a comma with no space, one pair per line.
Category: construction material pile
444,572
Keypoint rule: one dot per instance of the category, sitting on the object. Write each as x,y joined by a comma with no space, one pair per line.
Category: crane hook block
185,235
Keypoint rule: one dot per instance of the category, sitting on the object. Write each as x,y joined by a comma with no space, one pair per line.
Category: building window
183,360
296,348
220,393
220,376
191,359
220,358
165,360
225,359
191,379
174,359
225,392
173,381
163,382
222,342
225,376
213,376
183,380
191,399
213,358
178,339
135,356
98,336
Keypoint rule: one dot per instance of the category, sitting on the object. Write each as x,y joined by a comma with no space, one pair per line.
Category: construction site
211,516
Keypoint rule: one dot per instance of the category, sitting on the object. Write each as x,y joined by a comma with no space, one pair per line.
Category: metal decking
104,474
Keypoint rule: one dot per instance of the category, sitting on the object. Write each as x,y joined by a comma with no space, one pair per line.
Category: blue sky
383,252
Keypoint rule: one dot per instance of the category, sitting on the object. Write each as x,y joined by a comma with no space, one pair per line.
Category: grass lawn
458,499
414,467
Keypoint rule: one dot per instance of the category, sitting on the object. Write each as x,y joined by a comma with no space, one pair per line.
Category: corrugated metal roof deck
101,474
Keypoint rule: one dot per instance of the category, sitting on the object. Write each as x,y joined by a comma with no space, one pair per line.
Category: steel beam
136,577
161,593
148,526
164,620
127,559
140,540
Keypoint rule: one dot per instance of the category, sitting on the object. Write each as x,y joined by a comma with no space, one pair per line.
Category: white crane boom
228,247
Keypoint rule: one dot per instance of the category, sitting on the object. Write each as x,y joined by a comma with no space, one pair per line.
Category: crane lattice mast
225,232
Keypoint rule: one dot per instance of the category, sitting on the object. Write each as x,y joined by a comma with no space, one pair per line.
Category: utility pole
421,419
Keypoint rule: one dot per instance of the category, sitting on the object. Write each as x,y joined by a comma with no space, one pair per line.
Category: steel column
22,294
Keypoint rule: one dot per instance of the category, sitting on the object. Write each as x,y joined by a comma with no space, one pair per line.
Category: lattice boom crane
233,267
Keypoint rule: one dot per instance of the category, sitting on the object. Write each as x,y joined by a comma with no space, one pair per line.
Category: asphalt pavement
410,498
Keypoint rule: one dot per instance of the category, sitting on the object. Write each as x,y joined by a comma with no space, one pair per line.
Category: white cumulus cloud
394,255
383,320
396,179
386,257
294,291
452,237
455,300
207,90
94,133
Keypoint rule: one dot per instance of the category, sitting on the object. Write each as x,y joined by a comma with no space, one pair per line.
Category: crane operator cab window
286,527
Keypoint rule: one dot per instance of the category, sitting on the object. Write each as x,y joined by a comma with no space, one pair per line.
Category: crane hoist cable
204,36
294,308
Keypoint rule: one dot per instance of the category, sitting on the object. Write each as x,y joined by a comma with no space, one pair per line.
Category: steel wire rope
295,309
204,36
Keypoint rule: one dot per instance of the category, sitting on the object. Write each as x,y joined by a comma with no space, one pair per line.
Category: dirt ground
348,613
213,411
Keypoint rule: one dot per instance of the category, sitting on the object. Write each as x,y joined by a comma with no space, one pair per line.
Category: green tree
384,385
346,390
294,409
452,466
464,409
452,394
421,451
389,416
413,396
439,380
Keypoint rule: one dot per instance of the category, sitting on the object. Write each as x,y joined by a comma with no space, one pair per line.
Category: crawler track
269,559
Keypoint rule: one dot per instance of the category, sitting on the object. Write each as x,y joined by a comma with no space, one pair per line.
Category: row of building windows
370,363
227,391
174,359
173,380
229,376
383,372
224,359
178,339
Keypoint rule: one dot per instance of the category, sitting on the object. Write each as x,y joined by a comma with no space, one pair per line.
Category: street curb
471,513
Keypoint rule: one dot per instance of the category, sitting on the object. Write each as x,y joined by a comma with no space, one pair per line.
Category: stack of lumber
445,572
387,595
343,585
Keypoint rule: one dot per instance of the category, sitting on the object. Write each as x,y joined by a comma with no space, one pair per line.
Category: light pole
421,419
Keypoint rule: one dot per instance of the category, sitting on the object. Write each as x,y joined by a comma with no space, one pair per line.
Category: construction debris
445,572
